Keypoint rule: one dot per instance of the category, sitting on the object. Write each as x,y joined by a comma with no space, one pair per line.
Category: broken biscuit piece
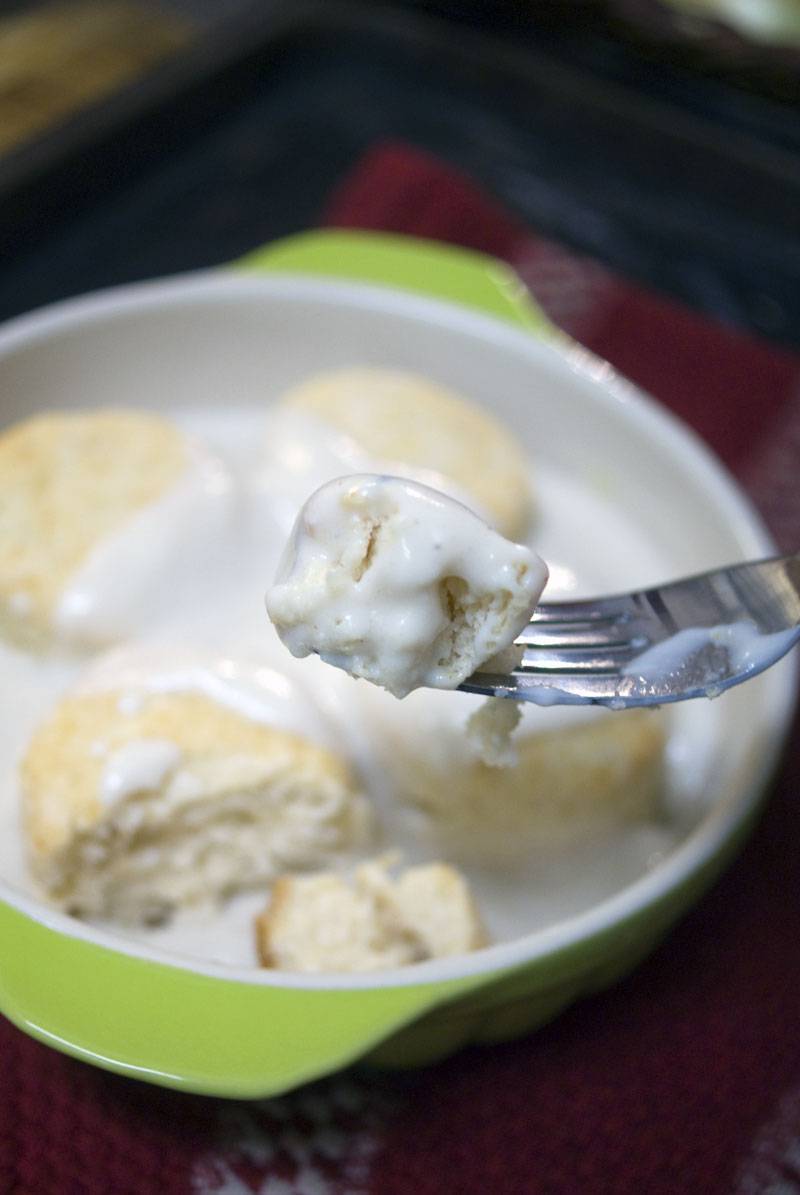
371,921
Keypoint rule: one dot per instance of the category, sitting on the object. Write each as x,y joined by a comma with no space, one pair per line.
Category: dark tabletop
679,178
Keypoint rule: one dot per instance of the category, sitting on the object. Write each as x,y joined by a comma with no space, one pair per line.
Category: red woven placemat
683,1079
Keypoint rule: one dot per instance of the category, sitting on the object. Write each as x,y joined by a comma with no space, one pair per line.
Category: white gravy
214,611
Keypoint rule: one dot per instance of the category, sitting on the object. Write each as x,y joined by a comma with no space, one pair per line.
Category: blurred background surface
139,139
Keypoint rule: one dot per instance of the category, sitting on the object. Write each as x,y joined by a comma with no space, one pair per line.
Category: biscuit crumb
489,731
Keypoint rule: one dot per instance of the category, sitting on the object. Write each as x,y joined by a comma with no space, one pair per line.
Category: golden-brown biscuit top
68,479
406,418
62,771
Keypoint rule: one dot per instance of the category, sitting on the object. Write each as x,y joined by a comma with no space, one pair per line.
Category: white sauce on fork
743,649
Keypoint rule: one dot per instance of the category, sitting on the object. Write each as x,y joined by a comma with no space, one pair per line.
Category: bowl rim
719,825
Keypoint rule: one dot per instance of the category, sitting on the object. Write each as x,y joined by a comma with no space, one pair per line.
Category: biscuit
67,481
397,583
368,922
137,804
565,784
406,420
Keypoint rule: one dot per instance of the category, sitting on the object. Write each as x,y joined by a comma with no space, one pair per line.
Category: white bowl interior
215,340
223,339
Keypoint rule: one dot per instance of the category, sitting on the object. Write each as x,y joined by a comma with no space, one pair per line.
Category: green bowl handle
405,263
179,1028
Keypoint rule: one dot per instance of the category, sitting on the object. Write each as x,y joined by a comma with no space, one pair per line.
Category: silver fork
690,638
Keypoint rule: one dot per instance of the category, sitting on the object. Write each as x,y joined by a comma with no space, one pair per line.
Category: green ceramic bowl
335,299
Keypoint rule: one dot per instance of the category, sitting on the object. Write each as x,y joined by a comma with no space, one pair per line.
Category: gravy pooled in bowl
100,509
153,856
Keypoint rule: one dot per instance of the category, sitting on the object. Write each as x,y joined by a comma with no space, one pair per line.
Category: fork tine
576,659
720,627
619,607
601,623
574,635
579,690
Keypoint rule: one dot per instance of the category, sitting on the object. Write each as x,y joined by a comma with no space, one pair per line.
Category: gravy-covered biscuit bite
404,419
370,921
94,506
399,584
140,799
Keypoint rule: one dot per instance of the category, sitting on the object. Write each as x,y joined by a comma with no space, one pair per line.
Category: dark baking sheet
242,139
